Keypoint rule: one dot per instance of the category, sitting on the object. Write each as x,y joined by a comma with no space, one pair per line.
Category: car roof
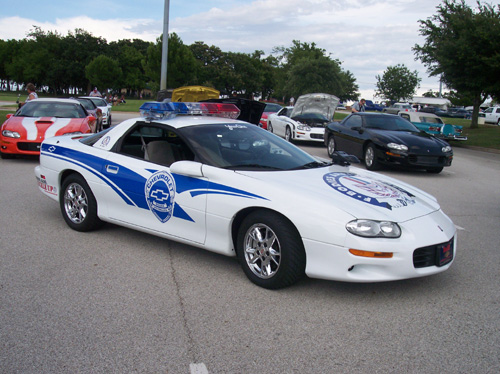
56,100
420,114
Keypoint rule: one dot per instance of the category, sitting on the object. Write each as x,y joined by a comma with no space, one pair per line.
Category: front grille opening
432,255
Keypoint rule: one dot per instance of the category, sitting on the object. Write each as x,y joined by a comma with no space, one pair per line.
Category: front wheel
436,170
78,204
270,250
371,161
330,146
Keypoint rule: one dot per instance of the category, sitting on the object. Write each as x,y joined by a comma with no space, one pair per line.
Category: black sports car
387,139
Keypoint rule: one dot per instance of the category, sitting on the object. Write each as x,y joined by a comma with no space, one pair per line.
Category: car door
348,136
145,194
281,120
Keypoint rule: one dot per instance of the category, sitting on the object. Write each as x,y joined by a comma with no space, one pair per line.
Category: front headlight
303,127
398,147
374,229
446,149
11,134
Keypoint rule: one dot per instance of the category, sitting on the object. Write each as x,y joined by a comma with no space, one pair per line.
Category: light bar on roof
164,110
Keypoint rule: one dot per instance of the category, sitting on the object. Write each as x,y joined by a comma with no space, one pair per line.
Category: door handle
113,169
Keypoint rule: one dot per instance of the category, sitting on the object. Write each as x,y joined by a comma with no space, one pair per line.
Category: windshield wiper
313,165
258,166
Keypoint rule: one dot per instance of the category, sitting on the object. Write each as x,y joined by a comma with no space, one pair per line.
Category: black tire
435,170
269,126
370,158
331,146
270,250
78,204
109,122
288,134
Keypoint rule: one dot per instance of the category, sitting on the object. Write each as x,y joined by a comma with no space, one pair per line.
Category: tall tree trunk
475,112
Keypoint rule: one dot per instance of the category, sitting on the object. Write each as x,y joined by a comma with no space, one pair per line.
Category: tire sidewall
292,257
91,221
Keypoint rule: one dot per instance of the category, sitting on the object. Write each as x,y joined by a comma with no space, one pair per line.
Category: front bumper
333,262
314,135
413,160
15,146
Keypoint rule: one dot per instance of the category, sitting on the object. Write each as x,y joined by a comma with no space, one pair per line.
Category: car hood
355,191
321,103
413,140
39,128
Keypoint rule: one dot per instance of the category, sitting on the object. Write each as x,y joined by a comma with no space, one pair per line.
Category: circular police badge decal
160,194
368,190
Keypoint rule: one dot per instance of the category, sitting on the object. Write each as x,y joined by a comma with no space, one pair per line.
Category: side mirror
343,159
187,168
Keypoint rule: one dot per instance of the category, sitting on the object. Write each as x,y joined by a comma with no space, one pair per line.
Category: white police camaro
235,189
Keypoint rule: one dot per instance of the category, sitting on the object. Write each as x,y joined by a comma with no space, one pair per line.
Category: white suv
492,115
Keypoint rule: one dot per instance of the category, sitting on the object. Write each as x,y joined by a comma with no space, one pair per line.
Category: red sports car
23,132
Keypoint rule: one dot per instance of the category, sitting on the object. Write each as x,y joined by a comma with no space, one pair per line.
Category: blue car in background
434,125
371,106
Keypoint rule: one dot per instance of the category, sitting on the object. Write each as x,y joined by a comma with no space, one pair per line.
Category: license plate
445,253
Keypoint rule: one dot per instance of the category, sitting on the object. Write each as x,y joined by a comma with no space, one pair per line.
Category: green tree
181,69
462,46
103,72
305,68
397,83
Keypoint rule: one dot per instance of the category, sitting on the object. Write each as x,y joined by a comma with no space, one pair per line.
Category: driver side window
155,144
354,121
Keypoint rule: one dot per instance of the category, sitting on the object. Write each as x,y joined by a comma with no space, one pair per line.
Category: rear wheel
269,126
371,162
270,250
78,204
288,134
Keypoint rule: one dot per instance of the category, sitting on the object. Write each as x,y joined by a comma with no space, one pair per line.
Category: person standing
95,93
359,106
30,87
32,95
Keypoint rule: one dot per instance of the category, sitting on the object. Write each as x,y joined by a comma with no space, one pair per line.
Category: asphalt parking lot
120,301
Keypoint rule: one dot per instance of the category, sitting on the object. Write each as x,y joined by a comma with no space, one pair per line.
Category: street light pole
164,51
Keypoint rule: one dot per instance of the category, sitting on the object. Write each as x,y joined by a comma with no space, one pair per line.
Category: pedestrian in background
95,93
359,106
32,95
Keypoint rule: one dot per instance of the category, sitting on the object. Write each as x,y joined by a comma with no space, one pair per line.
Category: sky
366,36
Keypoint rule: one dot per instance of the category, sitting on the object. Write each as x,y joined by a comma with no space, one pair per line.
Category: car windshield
389,122
87,104
272,107
51,109
430,119
241,146
98,102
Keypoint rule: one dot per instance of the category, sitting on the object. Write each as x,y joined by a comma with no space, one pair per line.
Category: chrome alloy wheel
76,203
262,251
369,156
